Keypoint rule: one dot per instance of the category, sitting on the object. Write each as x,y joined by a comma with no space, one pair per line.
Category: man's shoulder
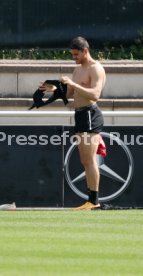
97,66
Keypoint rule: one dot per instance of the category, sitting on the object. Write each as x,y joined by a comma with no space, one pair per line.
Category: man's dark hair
79,43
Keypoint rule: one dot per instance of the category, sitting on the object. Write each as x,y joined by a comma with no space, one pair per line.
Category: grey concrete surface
20,78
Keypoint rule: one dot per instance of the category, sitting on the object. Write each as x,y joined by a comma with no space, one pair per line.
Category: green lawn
38,243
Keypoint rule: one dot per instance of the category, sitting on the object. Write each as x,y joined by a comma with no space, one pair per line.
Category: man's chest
82,77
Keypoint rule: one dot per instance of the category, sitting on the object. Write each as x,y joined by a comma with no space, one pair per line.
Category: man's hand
47,87
42,86
67,80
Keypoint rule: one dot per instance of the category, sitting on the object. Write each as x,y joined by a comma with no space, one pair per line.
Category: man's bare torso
82,76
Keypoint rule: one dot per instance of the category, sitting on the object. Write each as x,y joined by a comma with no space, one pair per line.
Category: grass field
39,243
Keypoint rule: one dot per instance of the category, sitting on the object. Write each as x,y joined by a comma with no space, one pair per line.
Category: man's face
78,55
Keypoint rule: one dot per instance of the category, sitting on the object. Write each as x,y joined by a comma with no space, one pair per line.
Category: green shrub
108,52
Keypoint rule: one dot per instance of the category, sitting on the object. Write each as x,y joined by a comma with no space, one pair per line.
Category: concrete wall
123,85
21,78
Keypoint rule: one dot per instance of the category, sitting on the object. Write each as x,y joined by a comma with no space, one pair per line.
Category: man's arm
97,76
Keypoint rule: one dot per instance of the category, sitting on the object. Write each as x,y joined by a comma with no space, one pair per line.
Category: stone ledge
103,103
61,66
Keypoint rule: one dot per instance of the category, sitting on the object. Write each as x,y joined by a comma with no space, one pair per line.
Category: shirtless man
85,87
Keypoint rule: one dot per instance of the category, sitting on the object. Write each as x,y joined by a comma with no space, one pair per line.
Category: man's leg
87,150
